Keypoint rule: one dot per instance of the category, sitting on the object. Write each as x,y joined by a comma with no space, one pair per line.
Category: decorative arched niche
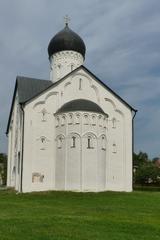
60,140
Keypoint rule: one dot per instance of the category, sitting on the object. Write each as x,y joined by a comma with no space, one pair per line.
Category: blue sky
123,49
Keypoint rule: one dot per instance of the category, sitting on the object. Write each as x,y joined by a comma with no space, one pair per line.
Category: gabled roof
29,88
96,79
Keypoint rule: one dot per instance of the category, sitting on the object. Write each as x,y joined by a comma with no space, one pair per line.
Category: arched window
43,142
43,139
90,142
73,142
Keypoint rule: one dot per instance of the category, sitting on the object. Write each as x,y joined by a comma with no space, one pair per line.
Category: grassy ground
66,215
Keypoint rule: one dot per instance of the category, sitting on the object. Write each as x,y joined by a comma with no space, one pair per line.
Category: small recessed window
114,123
80,84
44,112
60,142
89,143
73,142
114,148
43,142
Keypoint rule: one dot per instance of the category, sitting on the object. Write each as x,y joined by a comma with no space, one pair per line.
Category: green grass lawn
67,215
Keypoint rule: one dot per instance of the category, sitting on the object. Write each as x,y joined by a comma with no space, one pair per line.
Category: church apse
81,146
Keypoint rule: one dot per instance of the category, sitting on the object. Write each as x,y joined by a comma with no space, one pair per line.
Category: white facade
74,150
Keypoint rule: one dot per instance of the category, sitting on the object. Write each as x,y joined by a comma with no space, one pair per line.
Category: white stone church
71,132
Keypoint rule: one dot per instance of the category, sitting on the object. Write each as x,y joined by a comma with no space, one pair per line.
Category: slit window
103,143
113,123
89,143
73,142
80,84
44,112
114,148
60,142
43,142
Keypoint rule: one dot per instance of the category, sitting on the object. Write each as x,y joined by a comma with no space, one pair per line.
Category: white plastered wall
14,147
81,163
80,85
64,62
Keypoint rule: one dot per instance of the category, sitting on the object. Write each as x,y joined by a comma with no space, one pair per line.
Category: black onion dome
66,40
80,105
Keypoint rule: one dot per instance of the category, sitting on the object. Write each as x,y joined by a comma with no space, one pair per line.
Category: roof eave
96,78
11,109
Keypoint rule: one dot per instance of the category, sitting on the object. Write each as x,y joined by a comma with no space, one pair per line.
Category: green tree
147,174
3,167
140,159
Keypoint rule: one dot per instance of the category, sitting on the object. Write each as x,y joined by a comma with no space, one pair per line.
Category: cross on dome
67,20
